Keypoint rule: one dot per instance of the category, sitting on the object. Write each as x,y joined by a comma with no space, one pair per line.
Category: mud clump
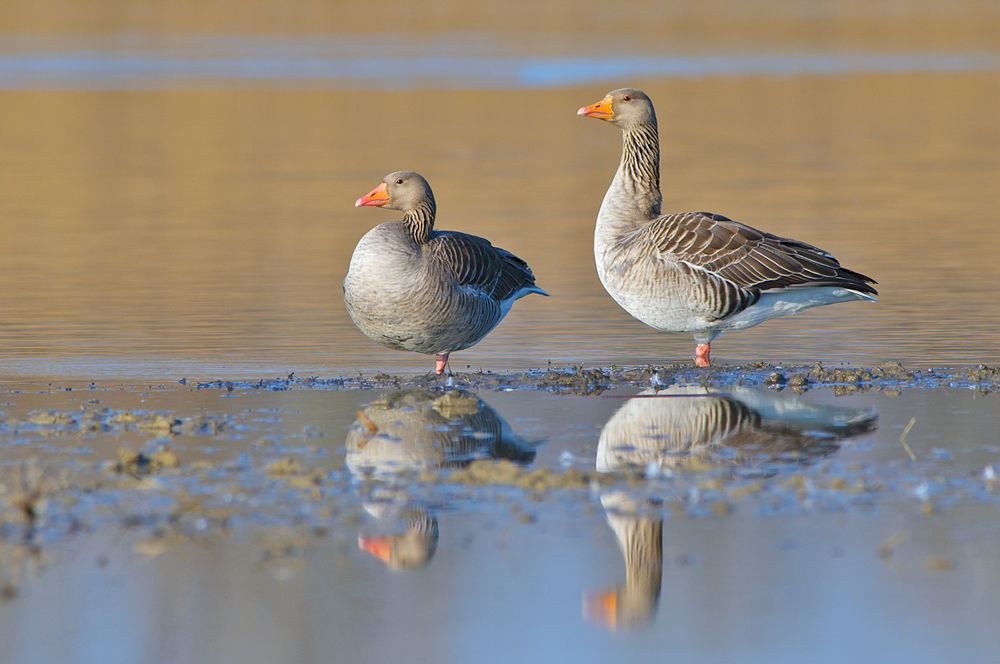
838,375
286,467
297,477
164,425
539,480
775,379
46,417
134,462
892,371
983,374
47,421
798,381
582,382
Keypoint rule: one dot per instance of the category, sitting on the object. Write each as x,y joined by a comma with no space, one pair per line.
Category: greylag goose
698,272
410,287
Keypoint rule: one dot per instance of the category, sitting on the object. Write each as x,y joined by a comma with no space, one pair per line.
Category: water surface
177,202
173,232
745,511
179,179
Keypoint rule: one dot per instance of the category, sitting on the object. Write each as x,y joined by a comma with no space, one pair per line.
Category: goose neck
419,221
637,182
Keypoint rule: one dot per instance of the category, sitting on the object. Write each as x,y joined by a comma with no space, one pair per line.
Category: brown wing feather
477,264
752,260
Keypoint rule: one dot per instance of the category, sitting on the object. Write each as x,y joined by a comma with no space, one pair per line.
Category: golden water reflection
211,229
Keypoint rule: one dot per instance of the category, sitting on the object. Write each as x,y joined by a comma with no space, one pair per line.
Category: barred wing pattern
741,262
477,264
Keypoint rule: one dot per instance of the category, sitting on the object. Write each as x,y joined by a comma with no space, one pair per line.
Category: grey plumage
410,287
698,272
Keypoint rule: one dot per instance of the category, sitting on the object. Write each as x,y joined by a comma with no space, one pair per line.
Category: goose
410,287
698,272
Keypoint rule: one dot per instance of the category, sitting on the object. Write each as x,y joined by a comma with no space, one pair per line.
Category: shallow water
758,525
179,199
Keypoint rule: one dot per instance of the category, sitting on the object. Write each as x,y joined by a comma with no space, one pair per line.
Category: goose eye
399,181
626,98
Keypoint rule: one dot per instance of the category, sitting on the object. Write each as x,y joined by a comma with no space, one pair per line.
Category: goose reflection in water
417,430
671,428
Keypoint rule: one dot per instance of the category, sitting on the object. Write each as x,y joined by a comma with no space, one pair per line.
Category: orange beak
380,547
601,109
376,196
601,608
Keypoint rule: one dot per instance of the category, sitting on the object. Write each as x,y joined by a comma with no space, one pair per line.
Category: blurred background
177,179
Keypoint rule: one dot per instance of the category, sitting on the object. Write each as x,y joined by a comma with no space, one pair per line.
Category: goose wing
749,259
475,263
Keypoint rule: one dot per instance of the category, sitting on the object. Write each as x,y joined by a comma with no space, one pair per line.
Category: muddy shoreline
164,466
586,381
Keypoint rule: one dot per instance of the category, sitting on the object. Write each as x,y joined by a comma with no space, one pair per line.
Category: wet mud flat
580,380
262,519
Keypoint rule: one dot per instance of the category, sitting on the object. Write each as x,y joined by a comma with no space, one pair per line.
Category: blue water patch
223,61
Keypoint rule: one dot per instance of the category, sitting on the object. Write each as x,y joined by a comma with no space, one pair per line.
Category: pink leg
701,355
442,361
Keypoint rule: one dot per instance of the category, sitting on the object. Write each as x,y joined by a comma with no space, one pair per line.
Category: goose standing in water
410,287
695,271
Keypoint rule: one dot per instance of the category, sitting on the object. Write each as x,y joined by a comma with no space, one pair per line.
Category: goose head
402,190
626,108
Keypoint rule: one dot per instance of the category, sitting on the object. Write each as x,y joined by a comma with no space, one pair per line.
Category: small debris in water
902,439
887,548
934,563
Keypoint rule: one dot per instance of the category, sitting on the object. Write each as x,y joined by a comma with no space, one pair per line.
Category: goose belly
657,296
668,298
774,304
421,326
406,309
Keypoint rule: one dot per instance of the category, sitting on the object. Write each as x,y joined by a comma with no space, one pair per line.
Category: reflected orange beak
601,109
376,196
601,608
380,547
